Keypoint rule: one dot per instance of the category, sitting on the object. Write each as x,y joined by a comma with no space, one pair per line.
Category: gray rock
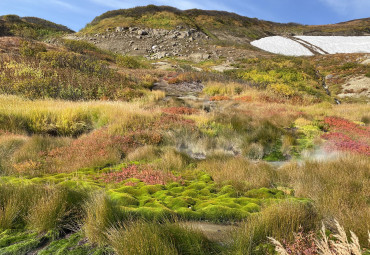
329,76
184,34
119,29
142,32
198,57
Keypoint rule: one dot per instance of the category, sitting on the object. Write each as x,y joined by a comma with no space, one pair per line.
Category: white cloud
349,8
65,5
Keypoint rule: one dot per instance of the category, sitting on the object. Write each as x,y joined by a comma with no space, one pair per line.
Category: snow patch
330,44
281,45
340,44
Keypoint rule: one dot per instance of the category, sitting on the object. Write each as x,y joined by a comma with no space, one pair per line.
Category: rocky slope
160,31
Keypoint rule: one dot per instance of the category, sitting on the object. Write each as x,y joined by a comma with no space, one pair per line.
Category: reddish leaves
180,110
219,98
346,136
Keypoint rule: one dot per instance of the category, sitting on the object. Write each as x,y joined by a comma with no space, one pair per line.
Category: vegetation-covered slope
30,27
215,23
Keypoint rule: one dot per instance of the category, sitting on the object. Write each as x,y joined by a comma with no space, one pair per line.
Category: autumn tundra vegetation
95,159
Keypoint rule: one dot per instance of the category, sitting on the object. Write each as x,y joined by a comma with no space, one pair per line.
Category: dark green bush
79,46
30,49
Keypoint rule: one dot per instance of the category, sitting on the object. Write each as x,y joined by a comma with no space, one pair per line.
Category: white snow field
330,44
281,45
340,44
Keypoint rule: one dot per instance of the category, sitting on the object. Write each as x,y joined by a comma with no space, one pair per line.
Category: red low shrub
219,98
180,110
342,142
244,99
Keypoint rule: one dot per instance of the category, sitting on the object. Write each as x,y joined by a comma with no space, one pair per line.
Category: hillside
30,27
217,24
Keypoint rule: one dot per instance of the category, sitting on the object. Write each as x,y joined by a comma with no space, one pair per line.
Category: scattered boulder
198,57
142,32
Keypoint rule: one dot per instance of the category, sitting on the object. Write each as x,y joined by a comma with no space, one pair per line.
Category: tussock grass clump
100,215
340,189
48,212
8,145
239,172
145,153
26,117
151,238
139,238
280,220
40,208
9,212
171,160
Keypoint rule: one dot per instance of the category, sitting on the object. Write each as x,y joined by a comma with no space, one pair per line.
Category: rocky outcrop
155,44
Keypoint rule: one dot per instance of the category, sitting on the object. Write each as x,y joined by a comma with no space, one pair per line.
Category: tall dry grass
340,189
240,172
280,220
40,208
142,238
100,215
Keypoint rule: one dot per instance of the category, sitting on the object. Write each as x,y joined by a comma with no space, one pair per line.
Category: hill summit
30,27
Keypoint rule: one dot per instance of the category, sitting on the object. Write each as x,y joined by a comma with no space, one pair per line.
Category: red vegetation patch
219,98
304,243
98,149
243,99
346,136
168,121
343,125
147,174
342,142
180,110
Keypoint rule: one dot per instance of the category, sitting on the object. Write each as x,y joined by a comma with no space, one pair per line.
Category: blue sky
77,13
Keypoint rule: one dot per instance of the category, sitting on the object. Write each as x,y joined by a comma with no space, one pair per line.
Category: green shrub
128,62
30,49
349,65
79,62
79,46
